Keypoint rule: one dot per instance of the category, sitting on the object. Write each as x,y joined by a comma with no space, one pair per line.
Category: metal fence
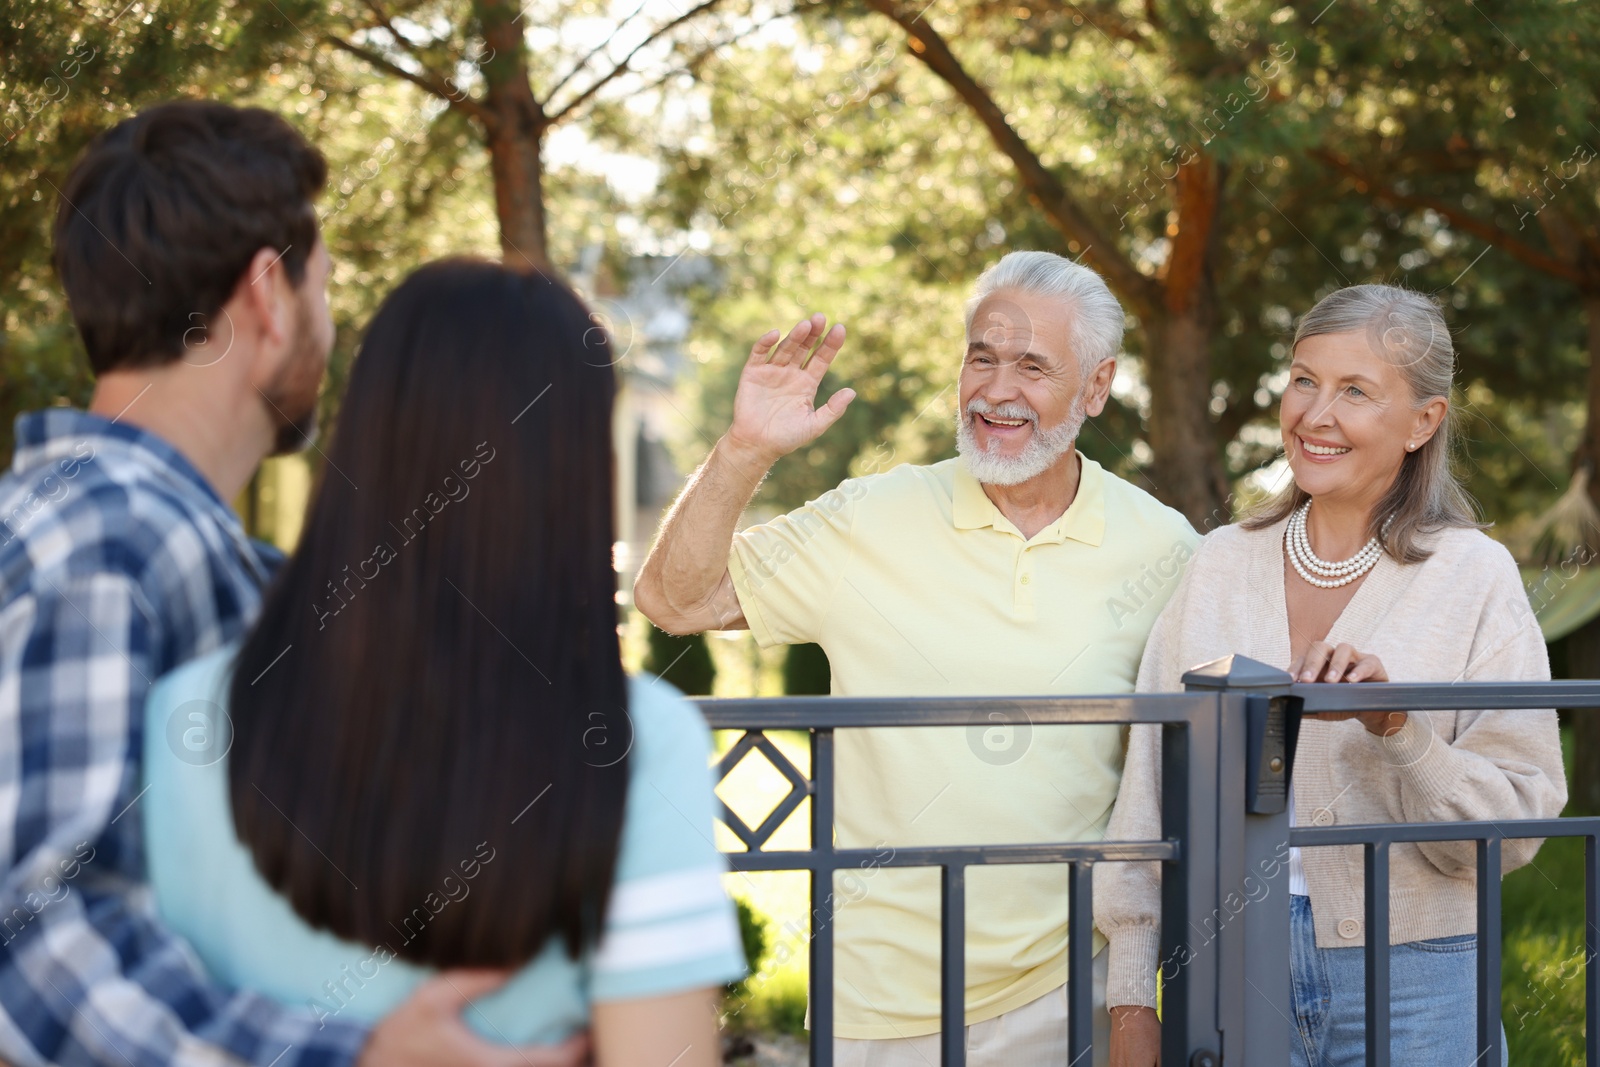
1227,756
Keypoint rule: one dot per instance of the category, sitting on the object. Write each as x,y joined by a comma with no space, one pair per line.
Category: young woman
436,760
1367,566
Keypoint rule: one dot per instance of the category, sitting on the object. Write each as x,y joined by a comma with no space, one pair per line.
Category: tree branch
1143,292
399,38
1109,22
596,50
709,51
442,88
622,67
1519,249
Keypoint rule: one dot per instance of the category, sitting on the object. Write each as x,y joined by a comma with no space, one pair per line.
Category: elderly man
1021,568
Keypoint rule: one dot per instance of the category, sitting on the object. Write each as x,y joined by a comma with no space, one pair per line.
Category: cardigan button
1322,817
1350,928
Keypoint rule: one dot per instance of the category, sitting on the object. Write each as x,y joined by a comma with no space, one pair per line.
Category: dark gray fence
1228,752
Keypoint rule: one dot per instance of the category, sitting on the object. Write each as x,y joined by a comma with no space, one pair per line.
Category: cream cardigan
1461,615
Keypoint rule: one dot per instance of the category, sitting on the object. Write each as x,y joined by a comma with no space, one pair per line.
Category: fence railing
1227,756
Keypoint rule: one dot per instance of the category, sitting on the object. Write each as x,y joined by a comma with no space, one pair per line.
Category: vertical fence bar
1489,1038
1240,930
953,965
1177,763
822,898
1591,948
1080,966
1377,952
1218,929
1188,968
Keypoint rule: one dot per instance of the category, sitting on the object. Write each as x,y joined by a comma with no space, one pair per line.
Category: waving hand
774,410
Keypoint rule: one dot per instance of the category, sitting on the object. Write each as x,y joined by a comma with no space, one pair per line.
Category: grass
1542,982
1542,952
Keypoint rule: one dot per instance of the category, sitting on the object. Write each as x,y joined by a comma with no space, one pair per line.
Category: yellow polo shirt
914,583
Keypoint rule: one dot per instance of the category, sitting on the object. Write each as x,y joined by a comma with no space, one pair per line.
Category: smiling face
1348,419
1022,394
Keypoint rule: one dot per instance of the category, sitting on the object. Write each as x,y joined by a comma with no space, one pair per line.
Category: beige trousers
1034,1035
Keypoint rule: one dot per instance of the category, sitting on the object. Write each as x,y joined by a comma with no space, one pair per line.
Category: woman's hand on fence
1338,663
774,410
1342,663
1135,1037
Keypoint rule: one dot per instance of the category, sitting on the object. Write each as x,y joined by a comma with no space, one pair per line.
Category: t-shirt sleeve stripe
661,944
673,893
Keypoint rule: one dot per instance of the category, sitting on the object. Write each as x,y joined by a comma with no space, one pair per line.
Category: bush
684,662
769,1002
753,932
806,671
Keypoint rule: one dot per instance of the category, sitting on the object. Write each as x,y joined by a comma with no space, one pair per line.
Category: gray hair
1407,329
1097,318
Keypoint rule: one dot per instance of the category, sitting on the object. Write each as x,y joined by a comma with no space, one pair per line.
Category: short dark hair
430,669
163,212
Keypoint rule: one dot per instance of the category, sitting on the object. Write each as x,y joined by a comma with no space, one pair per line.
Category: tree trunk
1583,661
1589,447
516,136
1188,464
1185,469
1583,644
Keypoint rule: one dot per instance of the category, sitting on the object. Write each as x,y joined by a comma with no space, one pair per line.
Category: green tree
476,61
68,70
1478,122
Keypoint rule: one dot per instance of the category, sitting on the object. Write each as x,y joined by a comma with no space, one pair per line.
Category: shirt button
1025,579
1349,928
1323,817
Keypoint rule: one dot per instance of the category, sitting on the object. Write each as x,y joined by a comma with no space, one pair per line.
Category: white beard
1044,447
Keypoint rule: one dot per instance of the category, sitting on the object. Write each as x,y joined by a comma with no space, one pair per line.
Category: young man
188,246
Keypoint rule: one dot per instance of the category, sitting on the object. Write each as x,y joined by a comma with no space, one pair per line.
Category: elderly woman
1369,567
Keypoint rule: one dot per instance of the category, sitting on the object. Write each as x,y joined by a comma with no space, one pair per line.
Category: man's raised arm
684,586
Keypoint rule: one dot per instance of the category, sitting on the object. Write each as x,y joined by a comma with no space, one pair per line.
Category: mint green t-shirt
669,926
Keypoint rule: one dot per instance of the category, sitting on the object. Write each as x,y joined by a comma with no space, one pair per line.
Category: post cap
1236,672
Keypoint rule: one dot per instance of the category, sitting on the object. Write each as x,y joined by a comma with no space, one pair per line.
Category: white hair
1097,317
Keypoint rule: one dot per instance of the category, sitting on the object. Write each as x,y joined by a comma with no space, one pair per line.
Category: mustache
1011,409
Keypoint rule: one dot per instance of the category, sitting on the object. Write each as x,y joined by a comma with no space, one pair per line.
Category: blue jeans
1433,1010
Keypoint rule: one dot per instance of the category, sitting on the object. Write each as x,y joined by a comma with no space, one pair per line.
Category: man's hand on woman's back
428,1031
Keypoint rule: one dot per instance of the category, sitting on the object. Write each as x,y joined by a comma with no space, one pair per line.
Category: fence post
1257,734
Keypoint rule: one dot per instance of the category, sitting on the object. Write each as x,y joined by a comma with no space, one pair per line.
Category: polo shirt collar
1084,520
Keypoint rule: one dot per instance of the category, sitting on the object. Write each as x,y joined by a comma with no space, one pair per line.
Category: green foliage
67,72
837,174
408,176
806,671
754,937
1541,996
685,662
1542,950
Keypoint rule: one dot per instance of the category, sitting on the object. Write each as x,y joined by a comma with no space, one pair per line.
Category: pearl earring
1411,447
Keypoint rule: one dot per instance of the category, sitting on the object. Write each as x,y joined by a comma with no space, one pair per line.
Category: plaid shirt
118,562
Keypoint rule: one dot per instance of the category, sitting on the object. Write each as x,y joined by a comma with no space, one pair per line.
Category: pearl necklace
1320,572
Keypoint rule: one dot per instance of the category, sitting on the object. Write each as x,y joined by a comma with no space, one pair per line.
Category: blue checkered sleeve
88,974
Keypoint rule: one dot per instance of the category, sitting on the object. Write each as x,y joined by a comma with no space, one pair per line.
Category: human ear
1098,388
265,290
1426,420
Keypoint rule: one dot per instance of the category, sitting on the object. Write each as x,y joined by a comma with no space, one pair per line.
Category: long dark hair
413,711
